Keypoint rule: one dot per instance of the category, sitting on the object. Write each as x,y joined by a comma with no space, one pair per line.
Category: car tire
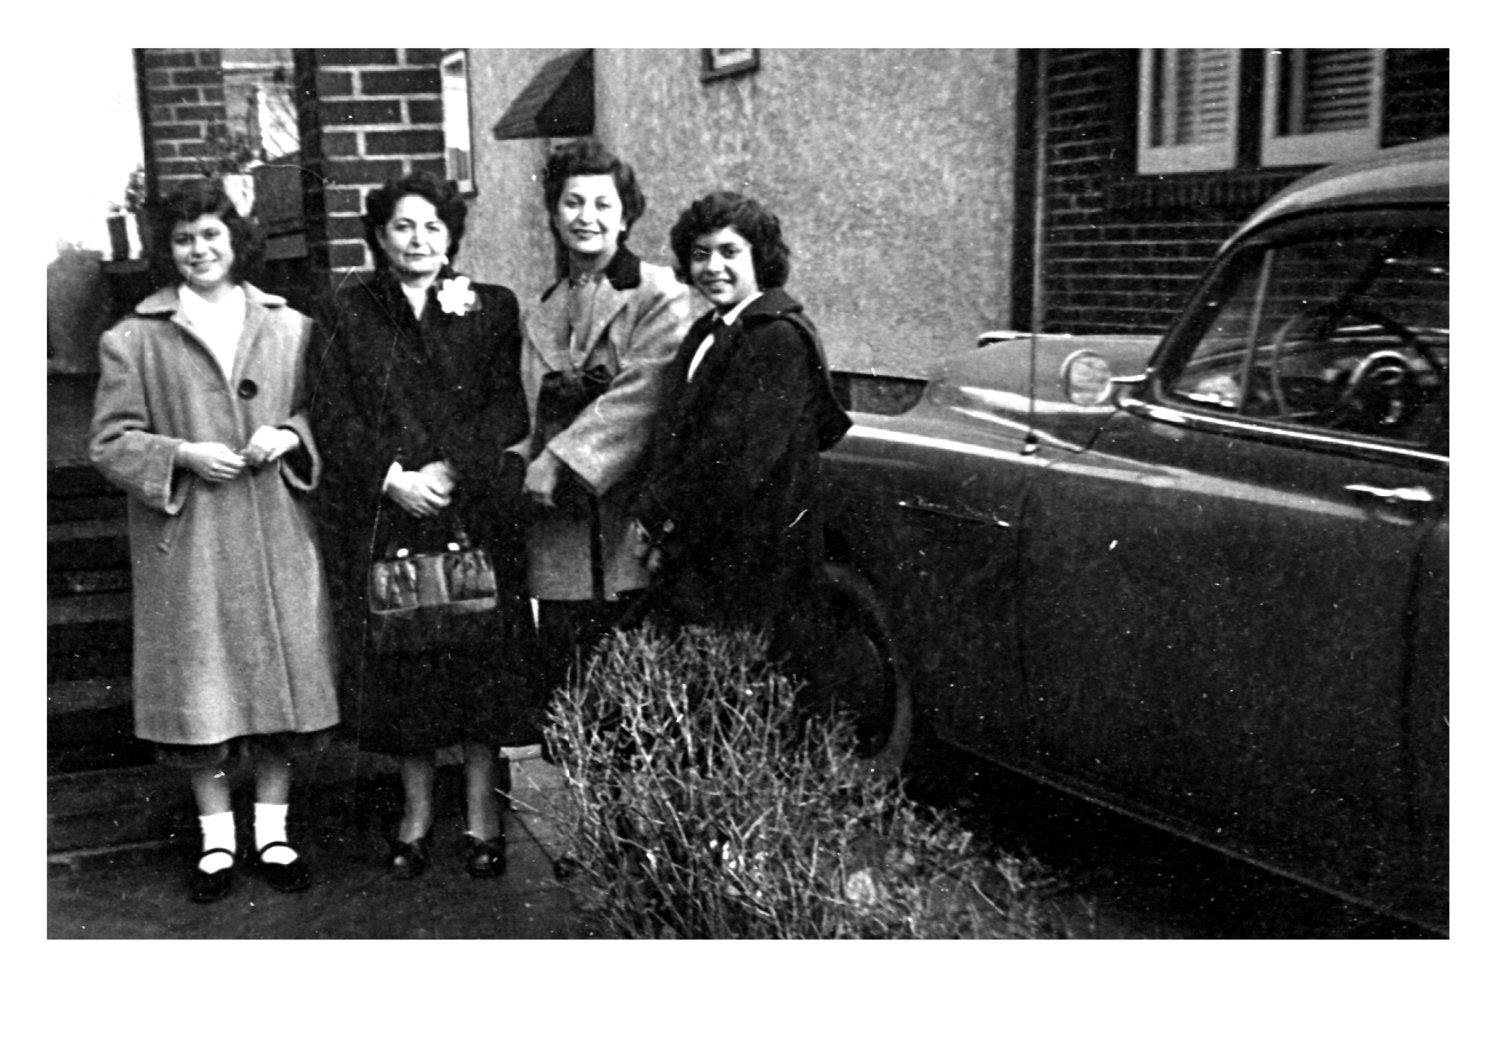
870,682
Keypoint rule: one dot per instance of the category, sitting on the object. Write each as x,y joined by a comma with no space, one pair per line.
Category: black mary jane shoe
295,875
486,858
204,888
409,859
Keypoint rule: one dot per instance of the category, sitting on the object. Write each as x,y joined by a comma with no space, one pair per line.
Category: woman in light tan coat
199,417
593,359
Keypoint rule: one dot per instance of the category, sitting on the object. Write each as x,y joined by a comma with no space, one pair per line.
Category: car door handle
960,514
1398,495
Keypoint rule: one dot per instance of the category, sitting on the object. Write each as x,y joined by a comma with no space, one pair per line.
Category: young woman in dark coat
416,395
731,504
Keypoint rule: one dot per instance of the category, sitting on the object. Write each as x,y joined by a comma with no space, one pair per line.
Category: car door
1221,594
930,500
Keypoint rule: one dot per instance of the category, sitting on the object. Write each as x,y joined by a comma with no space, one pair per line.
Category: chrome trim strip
1175,416
928,442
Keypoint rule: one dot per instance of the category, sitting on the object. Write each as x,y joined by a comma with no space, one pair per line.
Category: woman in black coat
416,395
731,505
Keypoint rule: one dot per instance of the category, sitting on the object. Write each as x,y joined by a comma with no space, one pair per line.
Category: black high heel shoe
486,858
409,859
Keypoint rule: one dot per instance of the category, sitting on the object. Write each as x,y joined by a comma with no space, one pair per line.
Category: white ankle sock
270,826
218,832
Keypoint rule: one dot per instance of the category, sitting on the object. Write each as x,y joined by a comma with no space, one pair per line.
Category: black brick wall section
156,59
349,111
334,84
399,81
379,144
362,170
424,111
373,56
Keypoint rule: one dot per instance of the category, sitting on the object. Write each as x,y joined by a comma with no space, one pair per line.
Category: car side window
1342,330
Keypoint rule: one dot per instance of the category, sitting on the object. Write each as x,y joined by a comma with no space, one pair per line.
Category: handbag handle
458,542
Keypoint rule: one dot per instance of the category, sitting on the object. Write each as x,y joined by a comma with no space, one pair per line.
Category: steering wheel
1386,373
1390,379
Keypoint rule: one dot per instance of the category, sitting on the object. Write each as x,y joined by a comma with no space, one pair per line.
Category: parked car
1201,579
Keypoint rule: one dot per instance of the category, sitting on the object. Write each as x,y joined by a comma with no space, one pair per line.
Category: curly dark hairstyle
591,157
442,194
768,251
190,202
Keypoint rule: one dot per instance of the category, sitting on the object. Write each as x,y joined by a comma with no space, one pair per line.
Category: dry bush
699,805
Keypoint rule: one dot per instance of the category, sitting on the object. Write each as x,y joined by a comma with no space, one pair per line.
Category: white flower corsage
456,296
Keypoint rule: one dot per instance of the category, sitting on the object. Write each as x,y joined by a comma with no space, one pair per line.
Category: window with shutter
457,144
1188,109
1321,104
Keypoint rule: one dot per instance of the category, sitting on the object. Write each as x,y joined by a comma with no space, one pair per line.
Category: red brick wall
1123,251
366,115
183,109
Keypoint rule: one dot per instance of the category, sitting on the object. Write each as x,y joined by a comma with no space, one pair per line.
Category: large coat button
248,389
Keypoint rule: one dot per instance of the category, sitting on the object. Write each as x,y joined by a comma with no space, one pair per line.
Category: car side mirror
1088,380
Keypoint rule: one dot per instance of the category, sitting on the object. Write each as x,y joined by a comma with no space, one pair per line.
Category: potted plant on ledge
232,155
123,220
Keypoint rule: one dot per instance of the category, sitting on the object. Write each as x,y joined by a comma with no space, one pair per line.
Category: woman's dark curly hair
591,157
188,203
442,194
768,251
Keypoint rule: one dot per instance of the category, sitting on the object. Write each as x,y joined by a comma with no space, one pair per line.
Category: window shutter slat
1204,105
1338,89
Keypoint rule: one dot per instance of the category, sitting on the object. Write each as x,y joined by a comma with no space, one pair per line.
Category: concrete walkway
342,830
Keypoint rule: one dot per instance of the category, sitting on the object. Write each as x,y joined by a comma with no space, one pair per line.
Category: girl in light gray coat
594,353
199,418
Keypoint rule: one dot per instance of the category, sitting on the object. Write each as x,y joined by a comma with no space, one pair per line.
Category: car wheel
869,683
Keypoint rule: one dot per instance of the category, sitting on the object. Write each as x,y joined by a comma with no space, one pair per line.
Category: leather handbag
424,600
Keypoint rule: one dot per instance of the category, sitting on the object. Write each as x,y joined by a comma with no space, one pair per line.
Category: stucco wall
892,171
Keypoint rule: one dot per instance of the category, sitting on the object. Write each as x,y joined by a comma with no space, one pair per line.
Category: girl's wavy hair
188,203
591,157
442,194
759,226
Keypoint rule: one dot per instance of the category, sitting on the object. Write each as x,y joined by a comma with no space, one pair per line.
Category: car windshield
1342,329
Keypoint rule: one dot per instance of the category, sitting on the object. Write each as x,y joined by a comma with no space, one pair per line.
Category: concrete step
64,584
99,739
78,479
86,552
101,507
102,808
85,695
89,650
88,609
70,531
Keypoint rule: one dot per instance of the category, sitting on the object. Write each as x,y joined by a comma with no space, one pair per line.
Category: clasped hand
210,461
425,492
269,444
216,462
542,477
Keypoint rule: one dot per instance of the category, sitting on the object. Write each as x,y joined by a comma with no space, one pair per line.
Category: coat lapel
547,328
608,303
165,302
248,351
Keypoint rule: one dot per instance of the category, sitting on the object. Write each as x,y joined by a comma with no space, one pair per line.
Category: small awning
558,102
